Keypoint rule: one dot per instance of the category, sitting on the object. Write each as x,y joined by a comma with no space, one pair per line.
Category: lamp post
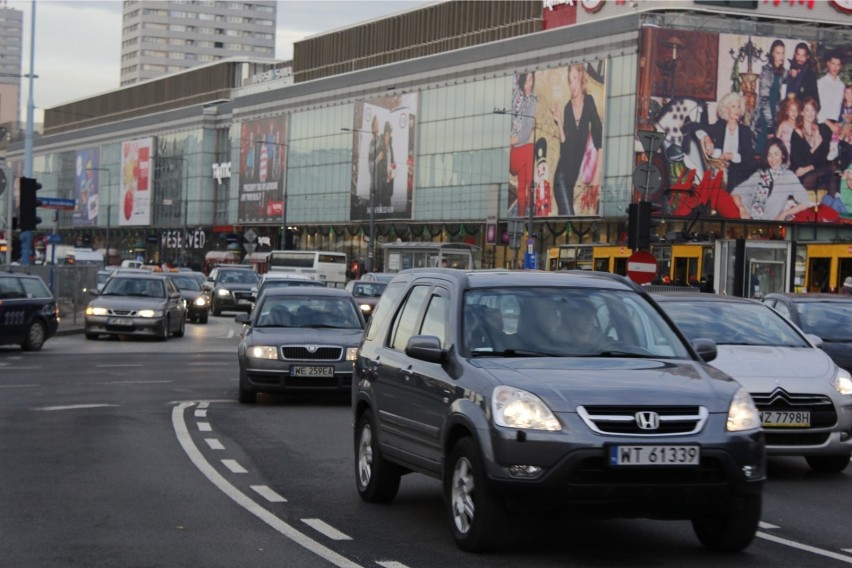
531,200
109,205
371,247
284,193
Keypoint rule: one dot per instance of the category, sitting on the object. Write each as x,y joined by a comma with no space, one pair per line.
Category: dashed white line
267,493
390,564
204,427
805,547
234,466
326,529
214,444
135,382
73,407
767,526
120,365
201,414
203,404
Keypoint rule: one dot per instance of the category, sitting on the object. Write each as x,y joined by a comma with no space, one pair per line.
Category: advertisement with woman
383,157
87,187
747,118
135,204
556,141
263,152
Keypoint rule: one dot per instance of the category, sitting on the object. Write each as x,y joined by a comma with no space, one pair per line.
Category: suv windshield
565,322
238,277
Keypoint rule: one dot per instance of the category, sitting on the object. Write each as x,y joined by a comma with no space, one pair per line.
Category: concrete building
11,33
160,37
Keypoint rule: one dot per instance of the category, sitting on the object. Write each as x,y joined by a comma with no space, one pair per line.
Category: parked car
828,316
377,277
299,338
593,403
804,398
29,315
102,276
230,288
367,294
136,304
197,299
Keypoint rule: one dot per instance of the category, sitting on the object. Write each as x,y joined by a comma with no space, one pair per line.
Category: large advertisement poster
87,188
135,203
383,156
263,151
556,141
755,127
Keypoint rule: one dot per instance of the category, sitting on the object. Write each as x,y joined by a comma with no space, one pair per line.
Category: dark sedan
28,312
231,288
197,299
367,294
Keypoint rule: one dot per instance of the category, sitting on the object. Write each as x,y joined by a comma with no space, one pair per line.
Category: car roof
21,274
663,297
307,291
285,276
503,278
807,297
142,275
234,267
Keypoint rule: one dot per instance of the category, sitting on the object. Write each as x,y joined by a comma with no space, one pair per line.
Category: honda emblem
647,420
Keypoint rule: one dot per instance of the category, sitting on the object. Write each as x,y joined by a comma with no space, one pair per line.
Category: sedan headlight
149,313
262,352
743,414
90,311
351,353
223,292
200,301
842,382
516,408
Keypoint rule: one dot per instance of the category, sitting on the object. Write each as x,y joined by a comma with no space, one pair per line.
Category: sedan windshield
307,311
831,321
565,322
145,287
186,283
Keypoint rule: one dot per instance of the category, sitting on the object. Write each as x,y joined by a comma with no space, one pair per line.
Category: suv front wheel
377,479
731,531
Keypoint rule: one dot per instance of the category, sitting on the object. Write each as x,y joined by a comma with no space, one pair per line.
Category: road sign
53,203
647,177
642,267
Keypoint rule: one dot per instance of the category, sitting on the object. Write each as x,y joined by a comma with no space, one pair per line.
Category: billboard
135,189
383,157
87,188
755,127
556,141
263,152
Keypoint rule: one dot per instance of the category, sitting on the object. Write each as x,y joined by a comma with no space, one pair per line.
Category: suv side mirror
426,348
706,349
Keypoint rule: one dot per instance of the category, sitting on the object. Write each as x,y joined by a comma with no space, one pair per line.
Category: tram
822,267
602,258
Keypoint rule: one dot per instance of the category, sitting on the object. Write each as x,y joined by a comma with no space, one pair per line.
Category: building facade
11,34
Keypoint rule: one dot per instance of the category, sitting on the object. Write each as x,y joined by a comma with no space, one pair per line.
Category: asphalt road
135,453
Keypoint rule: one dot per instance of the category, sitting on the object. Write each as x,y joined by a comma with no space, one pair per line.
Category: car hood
190,294
237,286
128,302
305,336
840,351
761,368
566,383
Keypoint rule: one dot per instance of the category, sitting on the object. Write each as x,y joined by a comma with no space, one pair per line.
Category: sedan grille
312,353
644,420
823,413
115,312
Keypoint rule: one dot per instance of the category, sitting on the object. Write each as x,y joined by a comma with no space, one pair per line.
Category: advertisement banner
263,152
556,141
383,155
756,127
135,202
87,188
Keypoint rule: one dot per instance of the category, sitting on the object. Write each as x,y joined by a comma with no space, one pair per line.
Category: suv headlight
262,352
842,382
743,414
223,292
516,408
200,301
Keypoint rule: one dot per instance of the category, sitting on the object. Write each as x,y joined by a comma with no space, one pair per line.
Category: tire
92,336
203,317
731,531
217,311
35,338
828,464
163,333
376,478
181,329
476,517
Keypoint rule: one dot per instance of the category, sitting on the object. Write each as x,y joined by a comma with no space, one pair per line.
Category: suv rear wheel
731,531
377,479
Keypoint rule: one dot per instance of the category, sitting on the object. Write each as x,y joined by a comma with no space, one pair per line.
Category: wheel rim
461,497
365,456
36,335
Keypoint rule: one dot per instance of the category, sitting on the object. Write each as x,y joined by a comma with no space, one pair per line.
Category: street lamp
109,204
284,169
371,247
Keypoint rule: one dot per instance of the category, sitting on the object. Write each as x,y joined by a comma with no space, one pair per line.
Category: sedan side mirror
426,348
815,339
706,349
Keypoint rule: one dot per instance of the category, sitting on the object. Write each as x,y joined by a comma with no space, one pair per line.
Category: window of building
218,45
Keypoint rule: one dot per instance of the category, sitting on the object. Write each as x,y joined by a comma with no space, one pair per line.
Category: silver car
804,398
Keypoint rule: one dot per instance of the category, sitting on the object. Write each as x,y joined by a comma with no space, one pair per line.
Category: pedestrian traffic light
29,204
647,220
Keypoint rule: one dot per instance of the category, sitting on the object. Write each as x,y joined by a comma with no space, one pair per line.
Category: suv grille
626,420
301,352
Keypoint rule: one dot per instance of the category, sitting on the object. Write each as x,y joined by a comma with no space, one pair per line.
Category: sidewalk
71,325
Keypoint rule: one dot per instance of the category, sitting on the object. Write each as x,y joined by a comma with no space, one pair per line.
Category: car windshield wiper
619,353
513,353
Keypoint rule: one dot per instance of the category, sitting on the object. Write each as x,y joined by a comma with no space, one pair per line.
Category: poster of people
86,187
135,199
263,152
383,156
556,138
756,127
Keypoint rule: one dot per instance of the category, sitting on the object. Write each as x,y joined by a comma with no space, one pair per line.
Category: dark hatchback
540,391
29,314
828,316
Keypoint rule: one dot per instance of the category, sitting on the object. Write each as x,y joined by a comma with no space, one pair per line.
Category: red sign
642,267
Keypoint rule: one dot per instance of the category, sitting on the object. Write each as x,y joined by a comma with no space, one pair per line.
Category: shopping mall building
448,122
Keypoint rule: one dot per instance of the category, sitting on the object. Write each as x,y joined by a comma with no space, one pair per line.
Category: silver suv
560,391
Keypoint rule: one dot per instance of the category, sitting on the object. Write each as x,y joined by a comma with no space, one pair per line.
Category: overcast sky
78,43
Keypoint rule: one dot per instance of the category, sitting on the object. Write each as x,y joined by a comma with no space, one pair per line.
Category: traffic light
641,222
632,226
29,204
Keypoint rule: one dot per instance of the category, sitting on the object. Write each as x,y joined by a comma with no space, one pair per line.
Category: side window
11,288
406,319
435,320
382,313
35,288
782,309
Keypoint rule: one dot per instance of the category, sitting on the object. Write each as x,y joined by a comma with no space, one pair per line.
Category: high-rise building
163,37
11,32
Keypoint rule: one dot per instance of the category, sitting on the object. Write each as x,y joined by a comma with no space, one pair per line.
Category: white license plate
120,321
654,455
311,371
785,419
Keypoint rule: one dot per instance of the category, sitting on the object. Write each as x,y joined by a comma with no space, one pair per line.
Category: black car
367,294
230,288
828,316
29,314
551,391
197,299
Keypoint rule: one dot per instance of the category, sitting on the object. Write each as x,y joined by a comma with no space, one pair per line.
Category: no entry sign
642,267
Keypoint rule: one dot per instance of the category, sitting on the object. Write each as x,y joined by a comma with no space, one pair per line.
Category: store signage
844,6
221,171
178,239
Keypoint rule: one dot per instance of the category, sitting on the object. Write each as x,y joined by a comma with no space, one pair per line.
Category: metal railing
71,285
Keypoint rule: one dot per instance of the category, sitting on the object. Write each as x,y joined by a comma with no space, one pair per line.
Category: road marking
234,466
805,547
203,404
846,550
74,407
214,444
197,458
135,382
201,414
767,526
204,427
230,334
326,529
390,564
205,364
268,494
108,366
18,386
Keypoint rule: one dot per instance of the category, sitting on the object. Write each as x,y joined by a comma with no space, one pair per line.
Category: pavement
71,324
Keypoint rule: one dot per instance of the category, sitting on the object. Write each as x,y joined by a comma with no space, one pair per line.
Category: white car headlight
149,313
516,408
351,353
223,292
90,311
743,414
262,352
365,307
200,301
842,382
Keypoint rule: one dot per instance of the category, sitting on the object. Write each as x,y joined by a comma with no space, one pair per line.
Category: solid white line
74,407
267,493
243,500
234,466
326,529
214,444
204,427
390,564
201,414
805,547
767,526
